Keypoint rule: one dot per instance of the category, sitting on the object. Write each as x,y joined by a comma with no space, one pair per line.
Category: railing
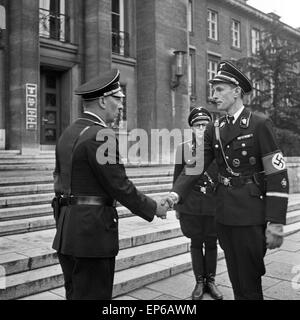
120,43
54,25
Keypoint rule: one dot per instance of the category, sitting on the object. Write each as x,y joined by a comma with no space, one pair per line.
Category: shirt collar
237,114
101,121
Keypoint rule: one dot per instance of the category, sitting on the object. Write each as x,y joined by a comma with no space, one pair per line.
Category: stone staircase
148,251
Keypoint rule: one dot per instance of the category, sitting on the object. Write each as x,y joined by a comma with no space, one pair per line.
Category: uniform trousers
244,248
87,278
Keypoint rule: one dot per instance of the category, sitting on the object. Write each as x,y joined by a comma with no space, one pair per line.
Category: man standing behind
197,213
252,194
88,179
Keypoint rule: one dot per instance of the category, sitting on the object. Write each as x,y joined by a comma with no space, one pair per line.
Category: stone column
96,38
161,29
24,67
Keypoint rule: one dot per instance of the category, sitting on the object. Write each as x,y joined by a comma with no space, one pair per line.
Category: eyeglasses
199,126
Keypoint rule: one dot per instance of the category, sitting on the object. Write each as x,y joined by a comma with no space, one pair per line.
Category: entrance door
50,107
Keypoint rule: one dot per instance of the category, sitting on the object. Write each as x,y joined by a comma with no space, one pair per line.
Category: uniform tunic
250,148
89,230
199,208
245,203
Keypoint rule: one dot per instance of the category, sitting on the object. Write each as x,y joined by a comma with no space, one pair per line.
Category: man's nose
214,95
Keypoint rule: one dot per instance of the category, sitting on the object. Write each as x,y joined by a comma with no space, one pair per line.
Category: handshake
165,203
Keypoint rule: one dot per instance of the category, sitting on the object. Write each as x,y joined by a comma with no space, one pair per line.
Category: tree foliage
275,73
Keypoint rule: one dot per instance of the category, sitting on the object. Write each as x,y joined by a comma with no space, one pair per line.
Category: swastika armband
274,163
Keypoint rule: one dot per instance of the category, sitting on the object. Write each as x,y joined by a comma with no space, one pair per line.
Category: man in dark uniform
88,179
197,213
252,194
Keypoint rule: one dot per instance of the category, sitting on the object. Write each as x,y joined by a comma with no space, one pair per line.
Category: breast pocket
243,144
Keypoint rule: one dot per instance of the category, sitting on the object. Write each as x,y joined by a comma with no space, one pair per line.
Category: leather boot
198,269
212,289
210,259
198,291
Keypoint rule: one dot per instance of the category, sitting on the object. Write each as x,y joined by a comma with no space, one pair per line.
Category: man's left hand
274,235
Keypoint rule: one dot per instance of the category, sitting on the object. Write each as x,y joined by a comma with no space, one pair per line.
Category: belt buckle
227,182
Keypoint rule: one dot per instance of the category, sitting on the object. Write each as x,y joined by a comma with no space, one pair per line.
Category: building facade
166,51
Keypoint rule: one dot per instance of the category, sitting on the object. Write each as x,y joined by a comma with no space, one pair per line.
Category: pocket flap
242,144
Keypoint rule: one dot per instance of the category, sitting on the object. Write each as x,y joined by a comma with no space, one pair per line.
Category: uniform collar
93,115
237,114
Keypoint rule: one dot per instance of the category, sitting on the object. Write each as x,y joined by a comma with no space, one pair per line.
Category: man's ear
101,102
238,91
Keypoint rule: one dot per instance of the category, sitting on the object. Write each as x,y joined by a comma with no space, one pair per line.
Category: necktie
230,119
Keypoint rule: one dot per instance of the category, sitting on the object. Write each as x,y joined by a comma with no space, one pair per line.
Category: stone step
291,228
40,198
10,153
13,201
128,257
48,187
11,178
21,176
35,165
140,245
21,161
25,167
39,210
19,221
293,217
39,217
44,279
9,211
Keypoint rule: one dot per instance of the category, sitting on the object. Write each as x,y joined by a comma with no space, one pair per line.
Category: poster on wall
31,106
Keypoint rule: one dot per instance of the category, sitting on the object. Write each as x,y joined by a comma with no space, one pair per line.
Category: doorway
50,106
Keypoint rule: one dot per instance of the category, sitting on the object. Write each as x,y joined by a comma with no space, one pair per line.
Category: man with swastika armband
89,178
252,191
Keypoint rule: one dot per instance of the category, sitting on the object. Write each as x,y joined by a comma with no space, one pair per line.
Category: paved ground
281,281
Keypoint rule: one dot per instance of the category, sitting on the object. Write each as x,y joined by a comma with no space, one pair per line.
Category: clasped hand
166,203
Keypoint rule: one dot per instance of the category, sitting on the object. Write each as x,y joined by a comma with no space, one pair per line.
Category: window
236,34
212,22
211,72
190,16
192,73
2,18
255,39
54,22
120,38
256,89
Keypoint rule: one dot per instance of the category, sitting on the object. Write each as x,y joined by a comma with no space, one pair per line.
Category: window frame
235,33
190,17
192,73
211,23
211,72
255,41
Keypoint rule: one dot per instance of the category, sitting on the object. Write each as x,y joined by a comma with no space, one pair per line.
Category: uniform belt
86,200
235,181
